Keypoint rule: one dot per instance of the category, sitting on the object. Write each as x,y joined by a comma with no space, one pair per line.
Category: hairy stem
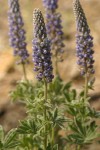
24,71
56,66
78,147
45,113
52,138
56,63
86,81
86,87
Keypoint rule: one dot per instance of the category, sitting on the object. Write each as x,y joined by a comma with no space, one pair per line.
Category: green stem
35,148
45,113
68,147
56,64
78,147
86,87
24,71
52,138
56,67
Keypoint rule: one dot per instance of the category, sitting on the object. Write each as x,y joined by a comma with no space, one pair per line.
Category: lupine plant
52,105
83,126
54,30
17,34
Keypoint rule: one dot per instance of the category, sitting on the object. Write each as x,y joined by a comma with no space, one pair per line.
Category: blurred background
10,73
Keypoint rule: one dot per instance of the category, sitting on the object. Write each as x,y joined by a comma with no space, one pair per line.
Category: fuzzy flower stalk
41,49
42,58
54,30
84,42
17,33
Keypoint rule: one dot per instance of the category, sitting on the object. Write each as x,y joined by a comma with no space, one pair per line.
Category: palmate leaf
49,147
27,127
56,85
78,130
91,133
66,86
81,140
67,96
27,141
1,133
56,91
1,145
23,90
9,140
56,118
35,106
29,134
77,108
72,111
11,145
55,147
93,113
83,133
70,95
31,126
74,139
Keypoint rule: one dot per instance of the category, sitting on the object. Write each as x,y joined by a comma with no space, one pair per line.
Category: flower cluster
54,27
50,4
41,49
16,32
84,41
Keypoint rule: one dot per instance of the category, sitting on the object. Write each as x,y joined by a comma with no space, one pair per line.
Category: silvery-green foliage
33,97
57,90
61,99
82,121
8,141
29,91
24,90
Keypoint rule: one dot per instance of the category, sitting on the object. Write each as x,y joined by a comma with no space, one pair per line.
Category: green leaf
23,91
73,94
27,127
93,113
1,133
55,147
1,145
72,111
67,96
9,139
49,147
80,127
67,86
55,113
11,145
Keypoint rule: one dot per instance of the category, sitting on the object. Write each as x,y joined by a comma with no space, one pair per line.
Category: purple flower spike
54,27
41,49
50,4
84,41
16,32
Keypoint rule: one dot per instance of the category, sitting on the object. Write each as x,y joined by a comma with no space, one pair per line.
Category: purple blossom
41,49
54,27
50,4
84,41
16,32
